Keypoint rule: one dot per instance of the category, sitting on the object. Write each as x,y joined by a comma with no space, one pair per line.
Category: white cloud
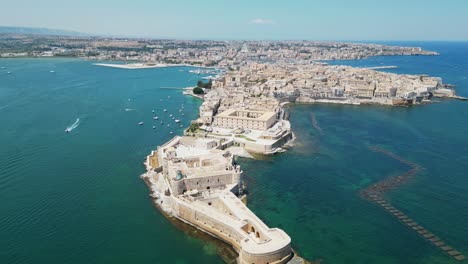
261,21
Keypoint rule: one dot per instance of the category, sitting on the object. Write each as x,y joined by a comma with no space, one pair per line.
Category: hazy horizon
336,20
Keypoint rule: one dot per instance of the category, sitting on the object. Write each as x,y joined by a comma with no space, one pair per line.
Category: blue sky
248,19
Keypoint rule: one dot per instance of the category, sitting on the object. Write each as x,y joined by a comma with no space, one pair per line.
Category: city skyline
241,20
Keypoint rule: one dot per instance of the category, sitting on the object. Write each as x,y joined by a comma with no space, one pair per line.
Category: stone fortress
196,181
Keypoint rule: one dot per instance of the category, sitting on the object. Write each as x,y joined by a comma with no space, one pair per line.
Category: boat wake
73,126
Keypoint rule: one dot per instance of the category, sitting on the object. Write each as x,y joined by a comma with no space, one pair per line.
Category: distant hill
38,31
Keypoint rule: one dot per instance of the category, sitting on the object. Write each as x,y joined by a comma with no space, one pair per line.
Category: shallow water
312,191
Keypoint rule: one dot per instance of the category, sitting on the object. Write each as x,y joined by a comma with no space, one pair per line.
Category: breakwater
375,193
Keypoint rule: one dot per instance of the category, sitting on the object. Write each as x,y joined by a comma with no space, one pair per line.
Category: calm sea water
77,198
312,191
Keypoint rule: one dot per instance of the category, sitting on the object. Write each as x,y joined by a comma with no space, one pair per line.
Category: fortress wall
263,148
229,234
256,147
278,257
209,224
202,183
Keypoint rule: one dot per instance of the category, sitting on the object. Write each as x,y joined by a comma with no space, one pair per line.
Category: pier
381,67
375,192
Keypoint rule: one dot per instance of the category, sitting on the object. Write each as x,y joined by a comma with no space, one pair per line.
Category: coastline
138,66
156,176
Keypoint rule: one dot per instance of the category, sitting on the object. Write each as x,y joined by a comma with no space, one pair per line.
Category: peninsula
196,179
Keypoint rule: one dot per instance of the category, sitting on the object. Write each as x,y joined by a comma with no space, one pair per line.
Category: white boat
177,121
152,111
155,117
140,124
171,133
183,114
8,72
52,71
168,125
73,126
161,122
154,127
165,110
181,126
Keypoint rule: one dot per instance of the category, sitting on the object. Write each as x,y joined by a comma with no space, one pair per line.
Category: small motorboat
51,71
8,72
140,124
168,125
170,115
162,122
181,126
165,110
171,132
154,127
177,121
67,130
152,111
155,118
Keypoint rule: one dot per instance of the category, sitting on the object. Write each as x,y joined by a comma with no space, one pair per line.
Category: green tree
198,90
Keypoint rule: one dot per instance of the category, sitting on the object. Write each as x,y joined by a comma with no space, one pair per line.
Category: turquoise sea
77,197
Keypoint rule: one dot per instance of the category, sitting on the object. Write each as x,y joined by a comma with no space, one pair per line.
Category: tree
198,90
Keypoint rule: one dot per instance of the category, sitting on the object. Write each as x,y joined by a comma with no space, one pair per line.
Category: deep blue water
77,198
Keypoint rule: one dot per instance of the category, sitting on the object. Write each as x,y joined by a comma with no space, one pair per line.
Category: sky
248,19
